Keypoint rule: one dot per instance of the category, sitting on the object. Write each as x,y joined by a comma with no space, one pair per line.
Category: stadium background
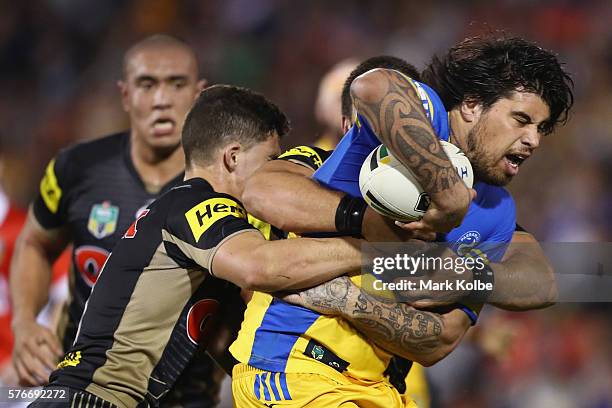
59,60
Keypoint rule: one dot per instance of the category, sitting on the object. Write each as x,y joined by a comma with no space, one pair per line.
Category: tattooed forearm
328,298
400,329
395,113
396,327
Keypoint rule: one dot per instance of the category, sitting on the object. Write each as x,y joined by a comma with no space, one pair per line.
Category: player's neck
458,130
217,177
156,168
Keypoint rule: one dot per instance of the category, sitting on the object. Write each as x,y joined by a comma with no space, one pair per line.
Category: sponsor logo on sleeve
49,188
204,215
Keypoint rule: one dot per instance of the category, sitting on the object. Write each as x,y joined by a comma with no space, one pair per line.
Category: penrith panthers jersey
155,300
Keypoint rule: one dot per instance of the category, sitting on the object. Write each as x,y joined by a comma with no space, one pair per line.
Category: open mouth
163,126
516,159
513,161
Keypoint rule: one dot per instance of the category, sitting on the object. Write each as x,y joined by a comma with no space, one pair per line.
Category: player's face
248,161
160,86
505,135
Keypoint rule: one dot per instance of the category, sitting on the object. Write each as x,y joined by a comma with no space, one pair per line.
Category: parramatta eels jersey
491,217
279,337
154,300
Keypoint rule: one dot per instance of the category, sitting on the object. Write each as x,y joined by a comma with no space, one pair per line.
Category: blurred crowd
60,59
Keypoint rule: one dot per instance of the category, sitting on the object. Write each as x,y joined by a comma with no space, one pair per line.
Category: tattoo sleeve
396,327
395,114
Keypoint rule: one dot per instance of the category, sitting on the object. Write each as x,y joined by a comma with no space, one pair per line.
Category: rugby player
89,196
507,94
140,326
327,103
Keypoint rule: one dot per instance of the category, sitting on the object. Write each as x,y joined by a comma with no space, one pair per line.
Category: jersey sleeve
309,156
202,226
50,204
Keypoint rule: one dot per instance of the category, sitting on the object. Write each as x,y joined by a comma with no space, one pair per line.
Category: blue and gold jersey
275,336
491,217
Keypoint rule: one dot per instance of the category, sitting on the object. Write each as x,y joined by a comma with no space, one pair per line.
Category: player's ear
470,110
230,156
123,89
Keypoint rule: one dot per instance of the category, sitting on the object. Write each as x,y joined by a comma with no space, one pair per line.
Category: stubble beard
483,164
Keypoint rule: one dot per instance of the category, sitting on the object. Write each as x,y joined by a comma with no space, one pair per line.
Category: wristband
349,215
472,315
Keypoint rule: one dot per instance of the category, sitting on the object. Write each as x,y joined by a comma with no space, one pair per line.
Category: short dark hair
224,114
488,68
382,61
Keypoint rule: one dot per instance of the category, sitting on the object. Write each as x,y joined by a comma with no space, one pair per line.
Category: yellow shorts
253,388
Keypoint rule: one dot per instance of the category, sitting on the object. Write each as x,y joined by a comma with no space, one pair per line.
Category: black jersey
93,189
155,299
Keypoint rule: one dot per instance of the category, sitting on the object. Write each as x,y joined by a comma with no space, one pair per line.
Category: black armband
483,280
349,215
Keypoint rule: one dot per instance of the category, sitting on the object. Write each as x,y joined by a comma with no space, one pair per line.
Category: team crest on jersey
467,242
103,219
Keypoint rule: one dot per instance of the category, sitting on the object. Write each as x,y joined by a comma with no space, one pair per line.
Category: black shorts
76,398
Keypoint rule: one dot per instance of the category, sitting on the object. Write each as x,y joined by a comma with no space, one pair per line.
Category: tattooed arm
418,335
394,111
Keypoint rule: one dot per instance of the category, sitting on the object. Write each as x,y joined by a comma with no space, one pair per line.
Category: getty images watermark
412,272
578,272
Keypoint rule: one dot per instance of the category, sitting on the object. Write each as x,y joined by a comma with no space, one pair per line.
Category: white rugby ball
392,190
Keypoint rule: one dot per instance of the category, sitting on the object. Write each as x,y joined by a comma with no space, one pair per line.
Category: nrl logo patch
317,352
103,219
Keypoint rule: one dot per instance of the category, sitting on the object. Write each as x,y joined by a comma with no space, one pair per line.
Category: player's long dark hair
488,68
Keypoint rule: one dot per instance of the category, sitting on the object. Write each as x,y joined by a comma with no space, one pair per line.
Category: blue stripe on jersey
264,377
284,388
279,330
273,377
341,170
257,386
